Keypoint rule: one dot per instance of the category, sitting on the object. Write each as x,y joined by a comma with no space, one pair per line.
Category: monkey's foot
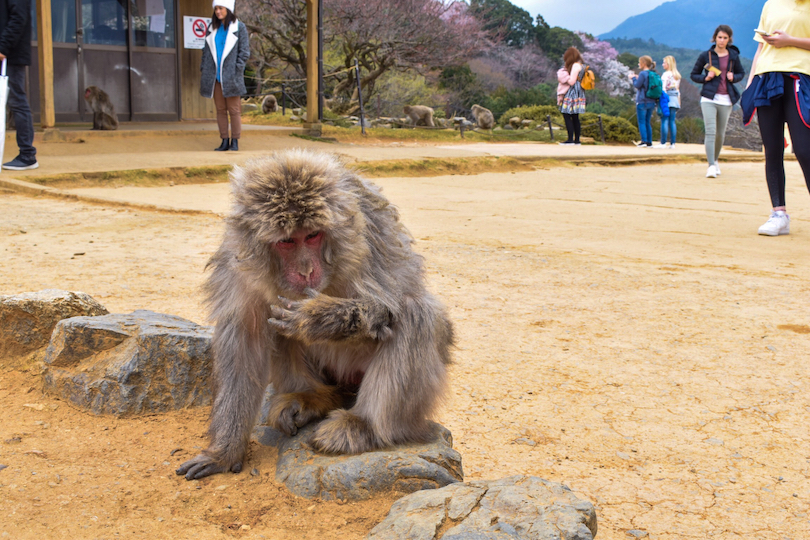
204,465
344,433
293,411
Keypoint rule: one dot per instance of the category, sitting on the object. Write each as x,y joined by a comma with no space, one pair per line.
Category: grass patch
136,177
448,166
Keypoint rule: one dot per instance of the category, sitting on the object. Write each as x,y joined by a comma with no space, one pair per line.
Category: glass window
63,21
153,22
104,22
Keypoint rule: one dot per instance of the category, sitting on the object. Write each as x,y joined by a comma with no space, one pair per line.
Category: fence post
461,128
601,129
360,97
550,127
283,100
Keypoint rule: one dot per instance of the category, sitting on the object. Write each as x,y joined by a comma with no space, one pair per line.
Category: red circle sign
198,27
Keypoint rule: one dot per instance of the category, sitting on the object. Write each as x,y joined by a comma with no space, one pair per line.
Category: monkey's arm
326,318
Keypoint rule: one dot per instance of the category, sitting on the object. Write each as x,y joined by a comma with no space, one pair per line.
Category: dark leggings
572,126
772,127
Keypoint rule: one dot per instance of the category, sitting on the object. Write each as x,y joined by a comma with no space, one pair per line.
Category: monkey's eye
314,236
287,242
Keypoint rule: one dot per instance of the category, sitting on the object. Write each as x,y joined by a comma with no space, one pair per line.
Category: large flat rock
128,364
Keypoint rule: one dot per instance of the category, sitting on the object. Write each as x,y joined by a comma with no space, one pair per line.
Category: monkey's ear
327,253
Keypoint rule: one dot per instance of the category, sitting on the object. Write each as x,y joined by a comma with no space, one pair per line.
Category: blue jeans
668,126
644,113
18,104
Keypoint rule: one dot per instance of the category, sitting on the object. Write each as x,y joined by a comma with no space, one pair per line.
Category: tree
554,40
502,19
383,35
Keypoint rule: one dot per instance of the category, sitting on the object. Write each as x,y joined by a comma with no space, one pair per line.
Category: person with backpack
717,70
671,82
570,95
648,91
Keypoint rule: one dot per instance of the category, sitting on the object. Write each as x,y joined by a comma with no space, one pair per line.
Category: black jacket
15,31
710,88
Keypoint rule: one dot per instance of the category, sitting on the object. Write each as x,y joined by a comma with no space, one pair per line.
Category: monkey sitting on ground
483,117
104,116
316,289
420,115
269,104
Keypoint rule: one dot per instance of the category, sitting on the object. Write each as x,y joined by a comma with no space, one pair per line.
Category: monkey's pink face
301,258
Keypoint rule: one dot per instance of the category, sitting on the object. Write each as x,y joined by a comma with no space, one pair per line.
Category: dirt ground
623,331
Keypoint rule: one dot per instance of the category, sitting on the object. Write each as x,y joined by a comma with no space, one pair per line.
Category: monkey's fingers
200,467
289,304
280,313
282,327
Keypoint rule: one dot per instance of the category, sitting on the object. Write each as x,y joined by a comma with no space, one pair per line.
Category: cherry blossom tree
611,75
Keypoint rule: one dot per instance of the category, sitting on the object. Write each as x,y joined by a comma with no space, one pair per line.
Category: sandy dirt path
621,330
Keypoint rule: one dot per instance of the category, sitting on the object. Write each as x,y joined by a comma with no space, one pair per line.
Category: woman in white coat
226,51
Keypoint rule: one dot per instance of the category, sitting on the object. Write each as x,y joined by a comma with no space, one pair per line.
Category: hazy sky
593,16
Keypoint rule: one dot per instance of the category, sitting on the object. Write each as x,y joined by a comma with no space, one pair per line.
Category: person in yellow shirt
779,90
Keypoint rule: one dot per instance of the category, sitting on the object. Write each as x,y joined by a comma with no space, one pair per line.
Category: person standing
644,105
572,99
15,49
779,89
717,70
671,83
226,51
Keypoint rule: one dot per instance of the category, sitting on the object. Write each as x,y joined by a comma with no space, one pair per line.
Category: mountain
691,23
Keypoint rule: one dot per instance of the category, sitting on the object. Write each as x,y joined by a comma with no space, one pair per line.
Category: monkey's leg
400,390
241,350
97,119
294,410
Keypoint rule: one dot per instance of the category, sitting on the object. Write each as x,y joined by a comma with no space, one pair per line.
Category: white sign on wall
194,29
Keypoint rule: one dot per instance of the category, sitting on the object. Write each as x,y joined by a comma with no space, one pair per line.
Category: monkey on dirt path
316,289
104,116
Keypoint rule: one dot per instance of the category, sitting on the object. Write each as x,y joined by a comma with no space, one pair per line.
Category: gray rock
249,107
128,364
297,111
27,320
517,507
406,468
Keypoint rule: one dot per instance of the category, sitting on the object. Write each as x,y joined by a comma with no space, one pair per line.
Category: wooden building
135,50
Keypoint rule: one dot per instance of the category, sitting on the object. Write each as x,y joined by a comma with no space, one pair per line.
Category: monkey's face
301,260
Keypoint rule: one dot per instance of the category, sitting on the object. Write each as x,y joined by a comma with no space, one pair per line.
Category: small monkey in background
104,116
316,289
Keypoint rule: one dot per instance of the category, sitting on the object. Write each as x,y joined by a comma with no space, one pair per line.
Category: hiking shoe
778,223
711,172
20,163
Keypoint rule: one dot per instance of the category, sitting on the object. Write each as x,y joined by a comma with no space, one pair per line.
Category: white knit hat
224,3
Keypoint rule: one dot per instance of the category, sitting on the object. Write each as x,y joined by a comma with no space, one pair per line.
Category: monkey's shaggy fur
371,338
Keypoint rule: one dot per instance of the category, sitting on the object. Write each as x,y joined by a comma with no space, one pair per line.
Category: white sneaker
711,172
717,168
660,146
778,223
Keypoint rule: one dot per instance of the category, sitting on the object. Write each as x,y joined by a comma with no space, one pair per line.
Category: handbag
574,100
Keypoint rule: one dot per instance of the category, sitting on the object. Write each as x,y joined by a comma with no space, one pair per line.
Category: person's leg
222,111
640,112
710,123
673,125
569,126
235,112
650,108
799,134
723,112
18,103
771,120
577,128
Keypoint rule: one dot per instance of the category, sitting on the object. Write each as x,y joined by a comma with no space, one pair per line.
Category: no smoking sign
194,29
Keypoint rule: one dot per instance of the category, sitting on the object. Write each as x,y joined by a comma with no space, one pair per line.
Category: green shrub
537,113
617,129
338,120
690,130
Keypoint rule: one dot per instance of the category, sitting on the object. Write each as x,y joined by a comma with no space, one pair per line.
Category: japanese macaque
316,289
104,116
483,117
420,115
269,104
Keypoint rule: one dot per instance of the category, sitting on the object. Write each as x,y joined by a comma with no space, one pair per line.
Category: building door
125,47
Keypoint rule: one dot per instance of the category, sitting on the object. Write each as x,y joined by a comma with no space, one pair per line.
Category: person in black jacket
15,49
717,70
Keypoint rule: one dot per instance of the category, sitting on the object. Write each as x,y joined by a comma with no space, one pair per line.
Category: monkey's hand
204,465
325,318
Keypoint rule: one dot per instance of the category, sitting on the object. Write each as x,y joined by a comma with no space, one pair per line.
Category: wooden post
312,124
47,115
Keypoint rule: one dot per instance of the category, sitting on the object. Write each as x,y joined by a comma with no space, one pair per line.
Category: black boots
234,145
223,147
